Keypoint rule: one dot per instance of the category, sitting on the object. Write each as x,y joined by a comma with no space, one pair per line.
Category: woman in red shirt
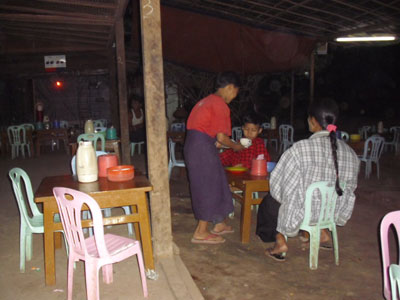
208,125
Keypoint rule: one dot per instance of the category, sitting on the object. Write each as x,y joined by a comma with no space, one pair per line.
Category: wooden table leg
245,220
145,232
49,255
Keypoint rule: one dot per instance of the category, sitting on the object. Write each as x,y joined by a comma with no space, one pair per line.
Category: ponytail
332,137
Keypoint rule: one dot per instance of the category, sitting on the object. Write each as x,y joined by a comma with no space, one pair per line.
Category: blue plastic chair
93,137
107,211
29,224
173,162
178,127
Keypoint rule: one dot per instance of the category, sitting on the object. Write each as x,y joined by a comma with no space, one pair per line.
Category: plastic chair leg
142,273
28,245
92,281
314,248
127,211
22,248
107,273
70,280
335,245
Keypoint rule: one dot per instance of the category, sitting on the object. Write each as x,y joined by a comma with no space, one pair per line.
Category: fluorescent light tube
366,38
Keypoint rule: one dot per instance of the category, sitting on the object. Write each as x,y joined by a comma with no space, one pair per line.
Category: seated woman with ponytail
319,158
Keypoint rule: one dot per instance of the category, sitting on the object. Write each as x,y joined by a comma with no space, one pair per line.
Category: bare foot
207,236
325,236
280,245
222,227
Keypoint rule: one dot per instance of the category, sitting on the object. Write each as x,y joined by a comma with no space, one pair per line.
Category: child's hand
238,147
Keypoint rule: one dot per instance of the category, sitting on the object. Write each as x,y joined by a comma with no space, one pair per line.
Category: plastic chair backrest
70,211
237,133
93,137
28,126
328,198
364,132
286,133
16,135
24,194
100,123
266,125
392,218
178,127
373,148
396,134
73,161
64,124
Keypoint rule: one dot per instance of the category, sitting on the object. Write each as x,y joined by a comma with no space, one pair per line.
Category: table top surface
45,189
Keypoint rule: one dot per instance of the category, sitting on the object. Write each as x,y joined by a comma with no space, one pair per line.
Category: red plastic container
121,173
106,161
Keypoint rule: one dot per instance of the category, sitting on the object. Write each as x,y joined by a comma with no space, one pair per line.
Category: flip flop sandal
275,256
326,247
208,240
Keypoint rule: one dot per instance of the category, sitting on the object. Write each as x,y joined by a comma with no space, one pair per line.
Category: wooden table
51,135
248,184
111,145
107,194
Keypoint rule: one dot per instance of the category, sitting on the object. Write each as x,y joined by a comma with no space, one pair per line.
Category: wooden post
123,102
312,76
113,89
292,99
156,126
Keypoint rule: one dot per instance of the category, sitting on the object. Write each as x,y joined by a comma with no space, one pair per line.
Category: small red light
58,84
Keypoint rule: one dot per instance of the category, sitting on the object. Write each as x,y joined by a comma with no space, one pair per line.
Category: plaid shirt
308,161
244,157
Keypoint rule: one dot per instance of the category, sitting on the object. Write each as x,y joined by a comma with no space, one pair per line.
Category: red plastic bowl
120,173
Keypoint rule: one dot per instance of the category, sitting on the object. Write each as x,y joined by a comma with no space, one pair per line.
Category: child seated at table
251,129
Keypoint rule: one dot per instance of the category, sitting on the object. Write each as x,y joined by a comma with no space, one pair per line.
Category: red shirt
210,115
244,157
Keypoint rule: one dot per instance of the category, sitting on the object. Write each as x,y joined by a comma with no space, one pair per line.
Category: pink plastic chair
390,218
98,251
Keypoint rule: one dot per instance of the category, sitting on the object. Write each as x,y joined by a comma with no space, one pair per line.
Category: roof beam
83,3
52,12
54,19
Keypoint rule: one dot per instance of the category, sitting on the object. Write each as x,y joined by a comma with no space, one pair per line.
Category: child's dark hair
252,118
326,112
225,78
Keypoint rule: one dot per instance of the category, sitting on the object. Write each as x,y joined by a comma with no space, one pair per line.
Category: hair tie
331,128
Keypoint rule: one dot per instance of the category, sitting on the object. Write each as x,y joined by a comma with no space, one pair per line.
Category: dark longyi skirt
211,196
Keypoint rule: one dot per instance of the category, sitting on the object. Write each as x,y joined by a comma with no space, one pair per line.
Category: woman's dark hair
326,112
225,78
252,118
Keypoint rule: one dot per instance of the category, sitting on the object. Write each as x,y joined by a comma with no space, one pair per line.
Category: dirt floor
227,271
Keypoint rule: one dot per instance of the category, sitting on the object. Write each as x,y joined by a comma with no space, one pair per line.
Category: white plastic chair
286,137
173,162
396,138
326,219
133,146
23,192
392,218
107,211
98,251
373,148
237,133
363,131
17,139
266,125
178,127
